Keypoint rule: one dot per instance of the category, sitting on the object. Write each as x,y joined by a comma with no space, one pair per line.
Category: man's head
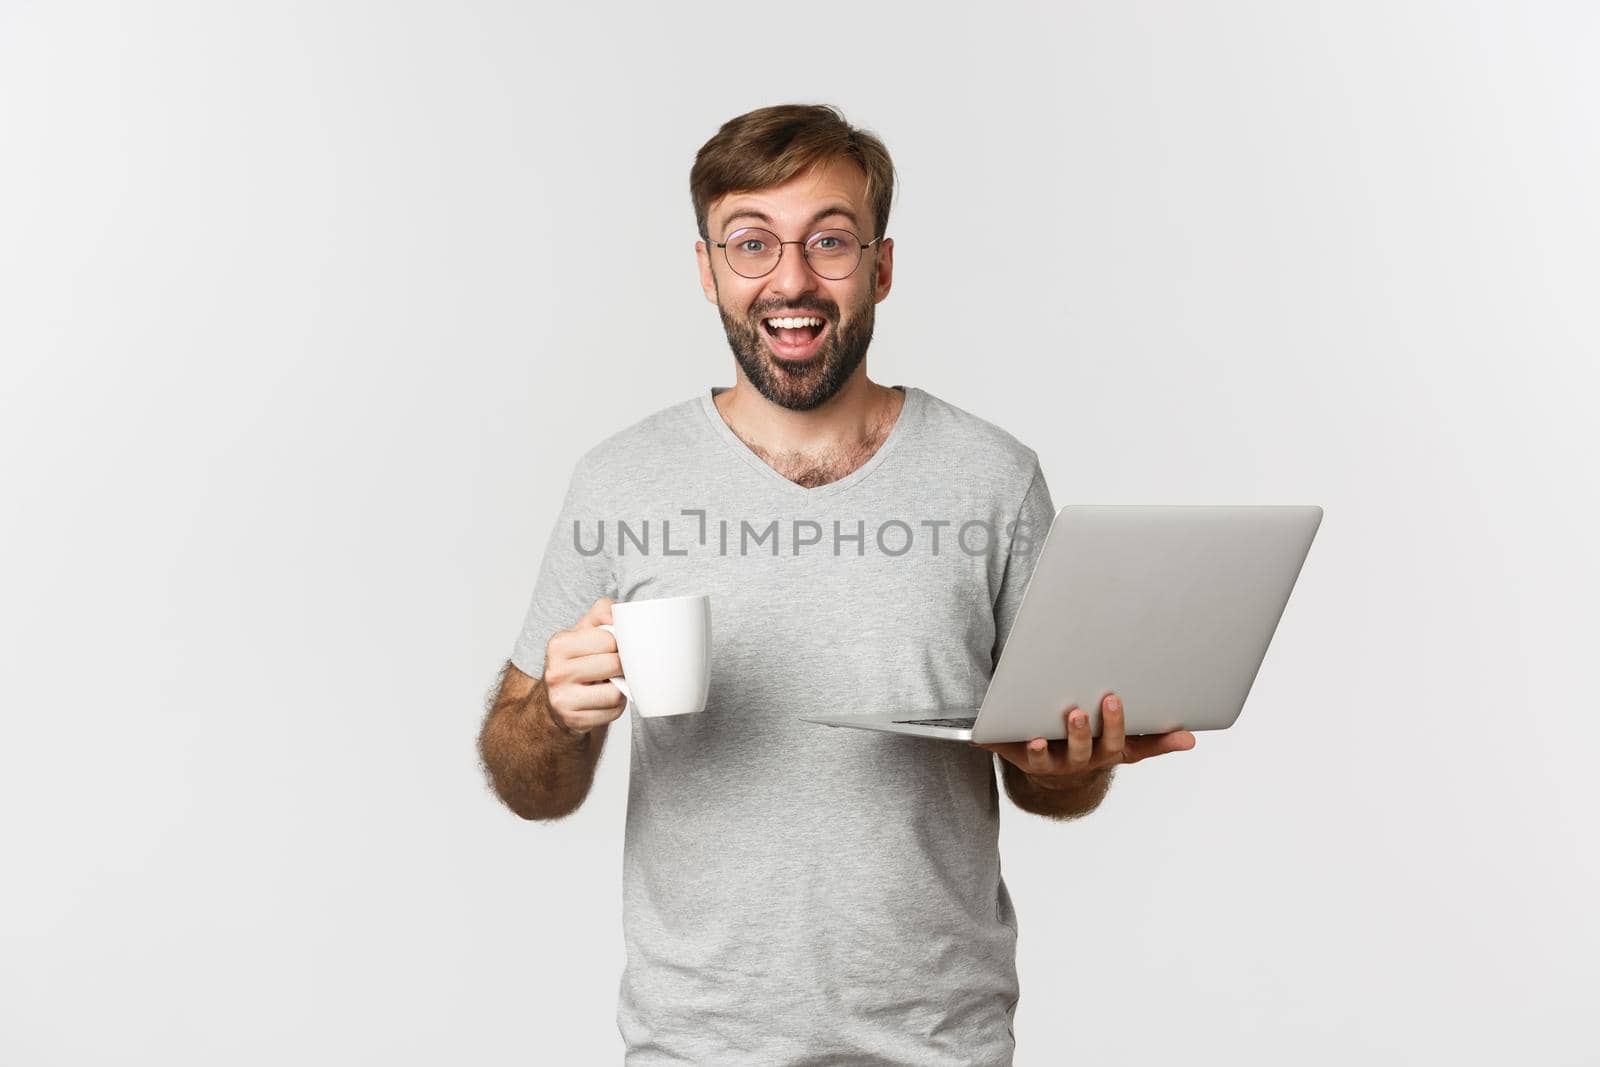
794,171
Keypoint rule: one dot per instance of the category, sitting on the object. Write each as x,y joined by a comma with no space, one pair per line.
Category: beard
802,386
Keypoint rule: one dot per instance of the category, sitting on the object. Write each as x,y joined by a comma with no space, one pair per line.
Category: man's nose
793,274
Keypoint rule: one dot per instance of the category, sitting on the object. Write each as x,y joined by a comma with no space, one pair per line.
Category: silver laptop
1169,606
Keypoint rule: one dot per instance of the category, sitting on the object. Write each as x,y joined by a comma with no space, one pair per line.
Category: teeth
790,324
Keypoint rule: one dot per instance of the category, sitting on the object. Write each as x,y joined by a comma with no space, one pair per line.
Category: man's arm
1056,798
539,768
1068,779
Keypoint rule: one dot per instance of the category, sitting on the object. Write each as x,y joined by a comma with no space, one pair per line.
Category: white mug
665,647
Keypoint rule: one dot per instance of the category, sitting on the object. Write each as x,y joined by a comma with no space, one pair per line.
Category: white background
307,310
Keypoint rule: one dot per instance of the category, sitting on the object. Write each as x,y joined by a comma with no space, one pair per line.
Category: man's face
806,378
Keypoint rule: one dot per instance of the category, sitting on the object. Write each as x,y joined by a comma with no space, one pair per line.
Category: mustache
778,313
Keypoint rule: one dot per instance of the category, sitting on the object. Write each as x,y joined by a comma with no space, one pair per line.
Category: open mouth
796,341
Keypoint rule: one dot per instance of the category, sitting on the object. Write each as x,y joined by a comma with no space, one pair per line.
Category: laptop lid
1170,606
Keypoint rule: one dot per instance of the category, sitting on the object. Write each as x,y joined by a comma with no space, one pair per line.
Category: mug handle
619,681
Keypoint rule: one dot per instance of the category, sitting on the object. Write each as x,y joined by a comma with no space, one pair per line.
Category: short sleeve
575,572
1033,518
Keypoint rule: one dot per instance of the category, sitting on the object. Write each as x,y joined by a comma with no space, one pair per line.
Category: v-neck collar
910,411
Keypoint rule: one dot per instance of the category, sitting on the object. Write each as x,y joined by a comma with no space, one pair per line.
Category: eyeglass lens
753,252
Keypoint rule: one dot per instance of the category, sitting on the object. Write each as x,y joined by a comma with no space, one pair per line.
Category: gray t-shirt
795,893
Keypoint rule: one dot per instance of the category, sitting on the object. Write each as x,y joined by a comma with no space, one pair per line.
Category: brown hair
770,145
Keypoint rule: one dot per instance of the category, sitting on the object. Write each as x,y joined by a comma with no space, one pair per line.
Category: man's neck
818,446
849,417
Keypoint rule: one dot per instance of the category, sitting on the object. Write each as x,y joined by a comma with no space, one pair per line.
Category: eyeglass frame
864,246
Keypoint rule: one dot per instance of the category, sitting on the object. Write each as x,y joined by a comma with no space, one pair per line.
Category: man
793,893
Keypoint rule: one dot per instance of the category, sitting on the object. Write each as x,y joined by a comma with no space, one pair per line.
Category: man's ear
708,281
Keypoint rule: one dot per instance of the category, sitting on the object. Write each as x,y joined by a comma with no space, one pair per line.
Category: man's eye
745,246
822,242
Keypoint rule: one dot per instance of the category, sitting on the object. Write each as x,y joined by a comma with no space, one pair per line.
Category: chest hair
812,468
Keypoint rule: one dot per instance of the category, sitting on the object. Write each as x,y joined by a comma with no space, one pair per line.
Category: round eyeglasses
753,252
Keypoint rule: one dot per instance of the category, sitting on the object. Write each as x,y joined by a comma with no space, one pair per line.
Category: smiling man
799,313
787,333
794,894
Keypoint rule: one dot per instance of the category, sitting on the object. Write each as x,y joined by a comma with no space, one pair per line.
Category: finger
599,612
1143,747
596,667
584,641
1014,753
589,696
1080,743
1112,736
1038,757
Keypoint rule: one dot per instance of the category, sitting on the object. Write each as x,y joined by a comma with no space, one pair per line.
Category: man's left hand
1081,755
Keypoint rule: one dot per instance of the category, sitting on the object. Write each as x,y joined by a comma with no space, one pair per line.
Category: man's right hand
578,667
